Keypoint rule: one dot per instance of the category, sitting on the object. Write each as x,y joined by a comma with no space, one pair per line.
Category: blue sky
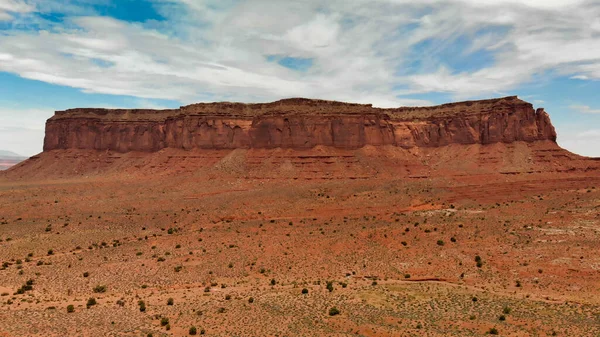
57,54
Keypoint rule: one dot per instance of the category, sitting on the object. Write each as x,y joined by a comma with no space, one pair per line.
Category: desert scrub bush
440,242
178,268
273,282
251,300
164,321
304,291
100,289
493,331
334,311
70,308
170,301
142,305
86,274
506,310
478,261
28,286
193,331
91,302
330,286
227,297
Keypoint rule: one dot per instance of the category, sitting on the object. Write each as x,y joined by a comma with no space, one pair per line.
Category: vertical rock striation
297,124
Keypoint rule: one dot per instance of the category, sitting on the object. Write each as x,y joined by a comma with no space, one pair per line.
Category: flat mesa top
296,106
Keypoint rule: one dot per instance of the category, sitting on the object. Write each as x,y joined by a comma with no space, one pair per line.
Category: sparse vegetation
100,289
91,302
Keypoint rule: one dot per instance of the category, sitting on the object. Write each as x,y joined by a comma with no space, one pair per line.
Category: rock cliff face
297,124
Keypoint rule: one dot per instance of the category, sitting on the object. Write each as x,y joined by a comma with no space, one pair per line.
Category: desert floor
458,256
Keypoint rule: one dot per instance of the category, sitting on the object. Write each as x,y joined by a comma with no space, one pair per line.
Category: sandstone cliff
297,124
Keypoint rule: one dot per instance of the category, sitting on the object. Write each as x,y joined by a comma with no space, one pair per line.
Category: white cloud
585,143
13,6
214,50
589,134
584,109
22,130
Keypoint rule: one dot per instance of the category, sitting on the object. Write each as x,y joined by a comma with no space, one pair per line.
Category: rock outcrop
298,124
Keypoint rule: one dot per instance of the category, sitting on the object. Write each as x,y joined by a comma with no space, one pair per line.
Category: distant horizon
389,53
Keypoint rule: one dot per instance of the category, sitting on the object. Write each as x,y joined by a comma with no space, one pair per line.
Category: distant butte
298,123
305,139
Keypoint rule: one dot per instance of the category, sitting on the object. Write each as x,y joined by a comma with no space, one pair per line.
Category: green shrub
164,321
193,331
493,331
91,302
305,291
334,311
70,308
330,286
100,289
170,301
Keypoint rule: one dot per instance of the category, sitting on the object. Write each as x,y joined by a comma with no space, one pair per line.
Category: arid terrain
452,240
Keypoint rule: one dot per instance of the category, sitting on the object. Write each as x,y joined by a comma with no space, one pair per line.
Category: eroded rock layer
297,124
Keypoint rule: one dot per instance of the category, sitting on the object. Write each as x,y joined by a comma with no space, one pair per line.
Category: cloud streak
358,51
584,109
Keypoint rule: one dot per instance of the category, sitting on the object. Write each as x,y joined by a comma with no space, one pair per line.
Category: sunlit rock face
297,124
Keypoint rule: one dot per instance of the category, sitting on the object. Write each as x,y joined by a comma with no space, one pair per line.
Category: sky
60,54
